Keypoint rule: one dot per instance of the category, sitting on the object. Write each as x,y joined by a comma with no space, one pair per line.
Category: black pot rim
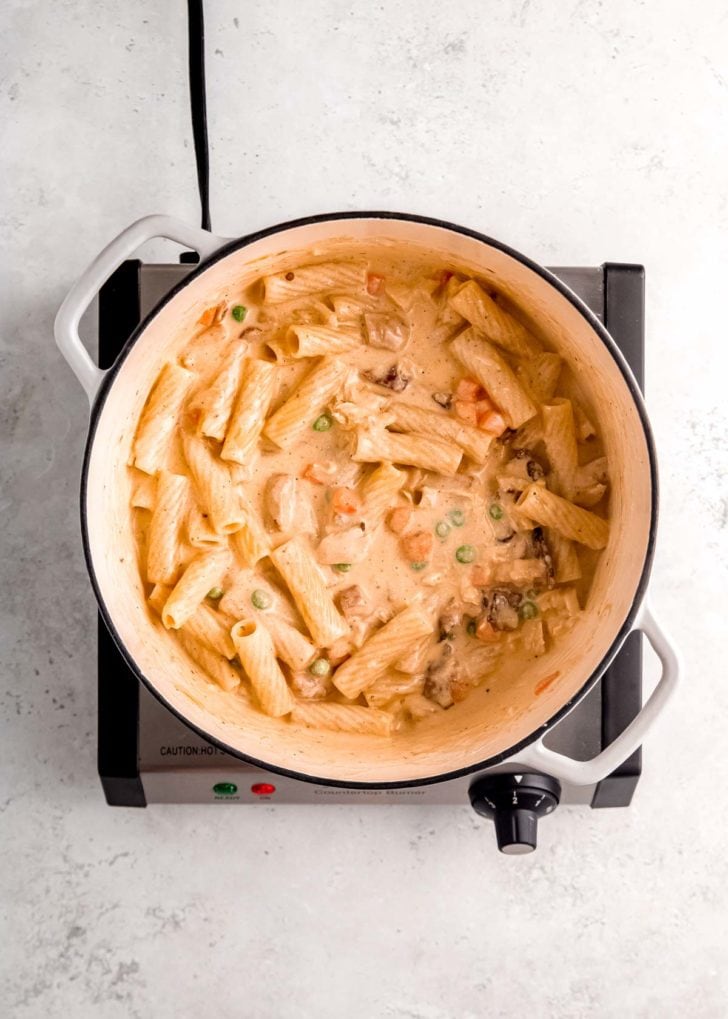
617,356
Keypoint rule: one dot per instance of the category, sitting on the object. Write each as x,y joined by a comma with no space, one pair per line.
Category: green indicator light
225,789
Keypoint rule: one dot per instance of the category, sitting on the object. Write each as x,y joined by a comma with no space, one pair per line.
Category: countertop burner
146,755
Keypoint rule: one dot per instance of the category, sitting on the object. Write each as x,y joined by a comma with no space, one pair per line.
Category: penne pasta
565,557
438,424
540,375
317,341
290,644
373,446
569,520
159,418
163,541
314,601
216,492
204,573
296,416
484,363
212,629
254,646
143,490
388,644
379,493
250,542
215,665
216,402
479,308
314,279
200,532
393,686
560,439
344,718
250,411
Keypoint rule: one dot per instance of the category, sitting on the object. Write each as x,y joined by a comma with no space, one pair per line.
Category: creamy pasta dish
362,488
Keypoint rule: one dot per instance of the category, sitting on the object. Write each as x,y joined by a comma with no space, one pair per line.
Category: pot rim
237,244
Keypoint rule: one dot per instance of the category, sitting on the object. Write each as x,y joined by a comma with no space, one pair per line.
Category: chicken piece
288,505
399,519
440,676
348,546
309,687
386,332
353,603
417,547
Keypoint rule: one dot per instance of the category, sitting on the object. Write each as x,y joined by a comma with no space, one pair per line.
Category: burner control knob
515,801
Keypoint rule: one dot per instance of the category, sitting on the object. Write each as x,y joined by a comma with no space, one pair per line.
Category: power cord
198,103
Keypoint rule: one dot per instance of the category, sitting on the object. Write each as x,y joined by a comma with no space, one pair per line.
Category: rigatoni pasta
359,535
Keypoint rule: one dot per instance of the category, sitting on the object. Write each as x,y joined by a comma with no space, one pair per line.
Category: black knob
515,801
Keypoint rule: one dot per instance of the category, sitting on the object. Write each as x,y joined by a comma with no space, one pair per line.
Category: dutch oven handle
540,758
91,281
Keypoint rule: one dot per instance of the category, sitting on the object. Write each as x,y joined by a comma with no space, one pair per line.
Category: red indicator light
262,788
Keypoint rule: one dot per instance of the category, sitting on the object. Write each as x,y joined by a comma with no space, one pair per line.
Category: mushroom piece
448,621
503,609
440,676
393,378
541,550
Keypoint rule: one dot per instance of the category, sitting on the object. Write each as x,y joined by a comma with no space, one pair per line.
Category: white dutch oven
507,724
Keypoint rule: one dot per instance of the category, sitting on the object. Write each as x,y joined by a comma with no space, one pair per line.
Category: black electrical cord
198,103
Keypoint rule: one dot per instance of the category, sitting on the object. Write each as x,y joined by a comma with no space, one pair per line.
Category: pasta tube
296,415
373,659
484,363
290,644
163,543
569,520
473,441
413,450
314,279
344,718
379,492
159,418
254,646
250,411
201,575
560,439
250,542
214,485
200,532
565,557
208,627
216,402
143,490
316,340
479,308
210,662
313,599
541,375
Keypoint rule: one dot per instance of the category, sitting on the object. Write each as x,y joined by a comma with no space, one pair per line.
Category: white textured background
577,132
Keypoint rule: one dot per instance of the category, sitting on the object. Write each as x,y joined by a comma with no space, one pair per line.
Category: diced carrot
484,406
492,422
346,501
208,316
469,390
466,411
417,547
320,474
374,283
399,518
485,632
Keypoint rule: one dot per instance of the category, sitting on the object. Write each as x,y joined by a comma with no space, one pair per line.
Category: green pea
471,627
261,599
533,593
496,511
239,312
215,593
417,566
442,528
342,567
319,667
465,554
323,423
456,517
528,610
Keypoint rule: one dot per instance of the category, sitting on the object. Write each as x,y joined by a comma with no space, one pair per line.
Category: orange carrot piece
399,518
346,501
374,283
466,411
485,632
208,316
417,547
492,422
469,390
